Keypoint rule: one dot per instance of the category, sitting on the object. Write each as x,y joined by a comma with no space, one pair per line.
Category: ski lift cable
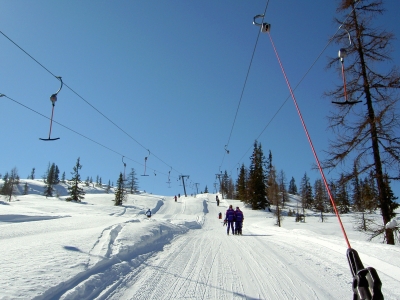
79,96
300,82
244,87
80,134
310,142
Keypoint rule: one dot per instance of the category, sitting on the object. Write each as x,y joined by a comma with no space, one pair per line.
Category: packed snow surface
53,249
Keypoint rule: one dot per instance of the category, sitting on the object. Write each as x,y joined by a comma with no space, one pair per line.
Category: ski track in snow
207,265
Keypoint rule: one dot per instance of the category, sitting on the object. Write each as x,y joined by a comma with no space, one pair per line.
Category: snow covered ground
53,249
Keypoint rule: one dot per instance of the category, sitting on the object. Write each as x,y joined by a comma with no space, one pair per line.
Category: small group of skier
234,217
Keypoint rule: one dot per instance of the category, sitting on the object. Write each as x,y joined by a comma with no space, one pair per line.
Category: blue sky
169,74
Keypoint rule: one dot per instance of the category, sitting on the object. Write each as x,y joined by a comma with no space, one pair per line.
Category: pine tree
306,193
206,190
292,187
26,188
241,185
224,185
10,182
108,187
32,176
342,196
257,179
132,182
56,178
63,177
120,192
76,193
48,189
320,198
367,134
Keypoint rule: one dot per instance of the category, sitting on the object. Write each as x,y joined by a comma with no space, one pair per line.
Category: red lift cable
311,144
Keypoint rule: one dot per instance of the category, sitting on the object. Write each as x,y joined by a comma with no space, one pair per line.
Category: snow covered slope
52,249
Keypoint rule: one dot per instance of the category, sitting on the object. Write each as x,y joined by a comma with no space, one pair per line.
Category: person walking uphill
229,217
238,221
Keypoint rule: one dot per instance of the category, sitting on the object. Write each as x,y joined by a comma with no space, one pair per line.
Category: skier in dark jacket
229,217
148,213
239,221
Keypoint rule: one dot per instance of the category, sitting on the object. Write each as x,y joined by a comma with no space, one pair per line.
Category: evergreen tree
206,190
56,178
342,196
32,176
48,189
108,187
120,192
368,134
87,181
257,179
63,177
231,188
10,182
241,185
320,198
26,188
76,193
306,193
132,182
292,187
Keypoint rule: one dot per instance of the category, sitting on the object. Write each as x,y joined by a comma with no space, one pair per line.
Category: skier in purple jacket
238,221
229,217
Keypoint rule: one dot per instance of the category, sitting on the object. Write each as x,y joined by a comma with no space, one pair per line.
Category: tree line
51,178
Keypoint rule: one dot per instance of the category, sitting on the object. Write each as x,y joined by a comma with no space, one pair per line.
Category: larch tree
368,133
281,178
273,194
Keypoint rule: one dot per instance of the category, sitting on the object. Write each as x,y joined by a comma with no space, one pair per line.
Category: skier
175,198
148,213
239,221
229,217
220,215
217,199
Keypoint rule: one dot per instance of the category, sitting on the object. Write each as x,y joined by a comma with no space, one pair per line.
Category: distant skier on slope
148,213
217,199
239,221
175,198
229,218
